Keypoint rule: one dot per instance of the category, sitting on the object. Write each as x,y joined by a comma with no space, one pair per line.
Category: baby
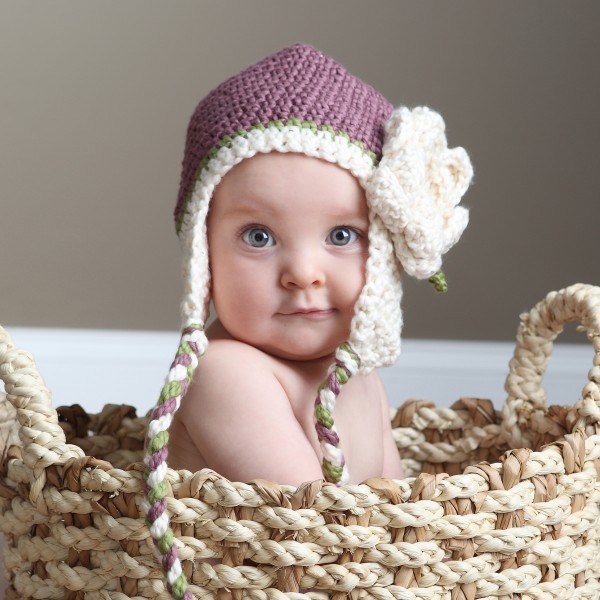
303,195
287,264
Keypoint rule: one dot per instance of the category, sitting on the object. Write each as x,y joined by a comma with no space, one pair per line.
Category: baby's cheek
355,287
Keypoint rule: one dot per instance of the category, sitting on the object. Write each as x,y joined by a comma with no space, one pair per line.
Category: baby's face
287,238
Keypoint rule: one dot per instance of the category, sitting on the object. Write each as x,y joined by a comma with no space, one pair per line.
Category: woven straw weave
477,517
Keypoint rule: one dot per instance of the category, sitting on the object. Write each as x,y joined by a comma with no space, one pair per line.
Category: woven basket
495,505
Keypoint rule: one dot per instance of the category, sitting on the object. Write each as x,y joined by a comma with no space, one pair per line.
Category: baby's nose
302,269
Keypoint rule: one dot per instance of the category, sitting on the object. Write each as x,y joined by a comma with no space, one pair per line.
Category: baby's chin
301,353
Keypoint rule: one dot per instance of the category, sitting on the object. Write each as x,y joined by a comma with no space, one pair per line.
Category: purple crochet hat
298,86
299,100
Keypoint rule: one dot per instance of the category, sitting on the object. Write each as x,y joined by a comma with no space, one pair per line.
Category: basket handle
42,437
535,335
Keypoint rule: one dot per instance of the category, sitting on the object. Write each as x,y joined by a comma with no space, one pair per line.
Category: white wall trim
95,367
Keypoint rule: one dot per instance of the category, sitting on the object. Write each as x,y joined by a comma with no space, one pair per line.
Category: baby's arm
392,465
241,421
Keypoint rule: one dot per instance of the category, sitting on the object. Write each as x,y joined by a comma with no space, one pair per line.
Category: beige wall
95,98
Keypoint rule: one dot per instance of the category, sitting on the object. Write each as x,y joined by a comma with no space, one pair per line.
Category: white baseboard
443,371
97,367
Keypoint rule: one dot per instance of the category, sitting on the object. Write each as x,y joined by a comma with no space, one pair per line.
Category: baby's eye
342,236
258,237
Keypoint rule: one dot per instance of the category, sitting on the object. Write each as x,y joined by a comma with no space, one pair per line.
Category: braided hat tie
156,488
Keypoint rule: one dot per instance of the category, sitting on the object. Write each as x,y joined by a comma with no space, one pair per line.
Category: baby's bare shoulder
240,418
230,369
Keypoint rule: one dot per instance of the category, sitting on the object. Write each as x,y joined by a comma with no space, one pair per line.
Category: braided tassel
334,464
438,281
192,345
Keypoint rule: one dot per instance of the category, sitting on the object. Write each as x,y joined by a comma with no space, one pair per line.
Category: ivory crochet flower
417,187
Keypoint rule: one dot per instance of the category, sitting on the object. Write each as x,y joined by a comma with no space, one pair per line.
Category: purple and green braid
346,364
192,346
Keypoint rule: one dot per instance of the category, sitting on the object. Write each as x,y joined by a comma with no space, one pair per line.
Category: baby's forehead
263,168
276,180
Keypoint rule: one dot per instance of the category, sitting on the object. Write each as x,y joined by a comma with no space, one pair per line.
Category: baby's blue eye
341,236
257,237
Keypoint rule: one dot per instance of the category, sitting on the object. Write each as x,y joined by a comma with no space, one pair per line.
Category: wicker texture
525,524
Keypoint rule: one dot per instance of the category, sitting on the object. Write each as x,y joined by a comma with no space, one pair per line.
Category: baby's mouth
310,313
